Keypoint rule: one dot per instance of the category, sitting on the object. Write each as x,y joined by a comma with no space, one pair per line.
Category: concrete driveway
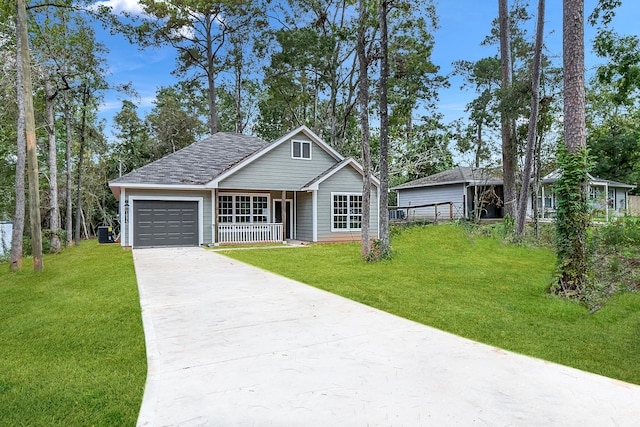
233,345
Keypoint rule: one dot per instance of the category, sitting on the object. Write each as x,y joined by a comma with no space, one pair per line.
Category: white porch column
314,214
284,217
123,216
544,202
214,217
464,201
606,202
129,202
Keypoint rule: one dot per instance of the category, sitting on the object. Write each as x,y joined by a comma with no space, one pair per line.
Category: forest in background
264,67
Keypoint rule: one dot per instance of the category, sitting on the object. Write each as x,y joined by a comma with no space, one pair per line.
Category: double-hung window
243,208
346,212
301,149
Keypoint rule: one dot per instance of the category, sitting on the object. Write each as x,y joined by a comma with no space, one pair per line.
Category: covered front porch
607,199
241,217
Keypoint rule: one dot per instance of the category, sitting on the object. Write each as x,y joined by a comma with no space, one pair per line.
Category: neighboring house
607,198
470,188
6,228
234,188
465,187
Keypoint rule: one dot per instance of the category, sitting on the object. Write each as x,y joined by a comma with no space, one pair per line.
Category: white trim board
200,201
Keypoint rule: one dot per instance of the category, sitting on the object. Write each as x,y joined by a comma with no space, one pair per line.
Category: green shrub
620,232
614,257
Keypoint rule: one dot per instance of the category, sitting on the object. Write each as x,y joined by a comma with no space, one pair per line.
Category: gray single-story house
607,198
463,186
468,187
234,188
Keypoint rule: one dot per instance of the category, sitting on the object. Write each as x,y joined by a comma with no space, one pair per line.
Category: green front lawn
478,288
72,347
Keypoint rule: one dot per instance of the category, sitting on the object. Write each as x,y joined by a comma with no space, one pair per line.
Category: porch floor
249,246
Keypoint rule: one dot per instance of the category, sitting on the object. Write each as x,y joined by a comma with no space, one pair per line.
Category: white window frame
349,214
302,142
251,208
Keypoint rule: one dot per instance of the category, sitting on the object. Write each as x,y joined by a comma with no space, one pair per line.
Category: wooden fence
403,212
634,205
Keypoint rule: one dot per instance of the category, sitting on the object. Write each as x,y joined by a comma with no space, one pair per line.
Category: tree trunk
30,132
479,144
238,95
573,65
68,198
383,215
211,83
213,110
18,221
536,191
572,221
54,212
533,124
508,149
363,98
83,136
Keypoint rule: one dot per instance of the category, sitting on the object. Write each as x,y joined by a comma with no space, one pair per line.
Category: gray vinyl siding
304,216
347,180
131,193
436,194
276,170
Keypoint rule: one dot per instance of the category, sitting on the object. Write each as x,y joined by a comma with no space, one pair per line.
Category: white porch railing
249,233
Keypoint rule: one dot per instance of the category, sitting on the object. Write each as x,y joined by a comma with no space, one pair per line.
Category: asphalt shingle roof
198,163
455,175
553,176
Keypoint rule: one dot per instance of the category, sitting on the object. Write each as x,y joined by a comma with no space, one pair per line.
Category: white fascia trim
200,201
312,136
436,184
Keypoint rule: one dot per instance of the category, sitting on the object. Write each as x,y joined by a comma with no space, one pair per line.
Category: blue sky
463,26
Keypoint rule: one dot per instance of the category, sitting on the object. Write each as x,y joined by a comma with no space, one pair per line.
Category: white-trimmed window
243,208
301,149
346,212
260,209
225,209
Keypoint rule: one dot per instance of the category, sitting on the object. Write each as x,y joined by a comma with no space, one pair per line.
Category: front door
277,213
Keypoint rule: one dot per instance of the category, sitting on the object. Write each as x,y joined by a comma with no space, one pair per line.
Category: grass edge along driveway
73,349
478,288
